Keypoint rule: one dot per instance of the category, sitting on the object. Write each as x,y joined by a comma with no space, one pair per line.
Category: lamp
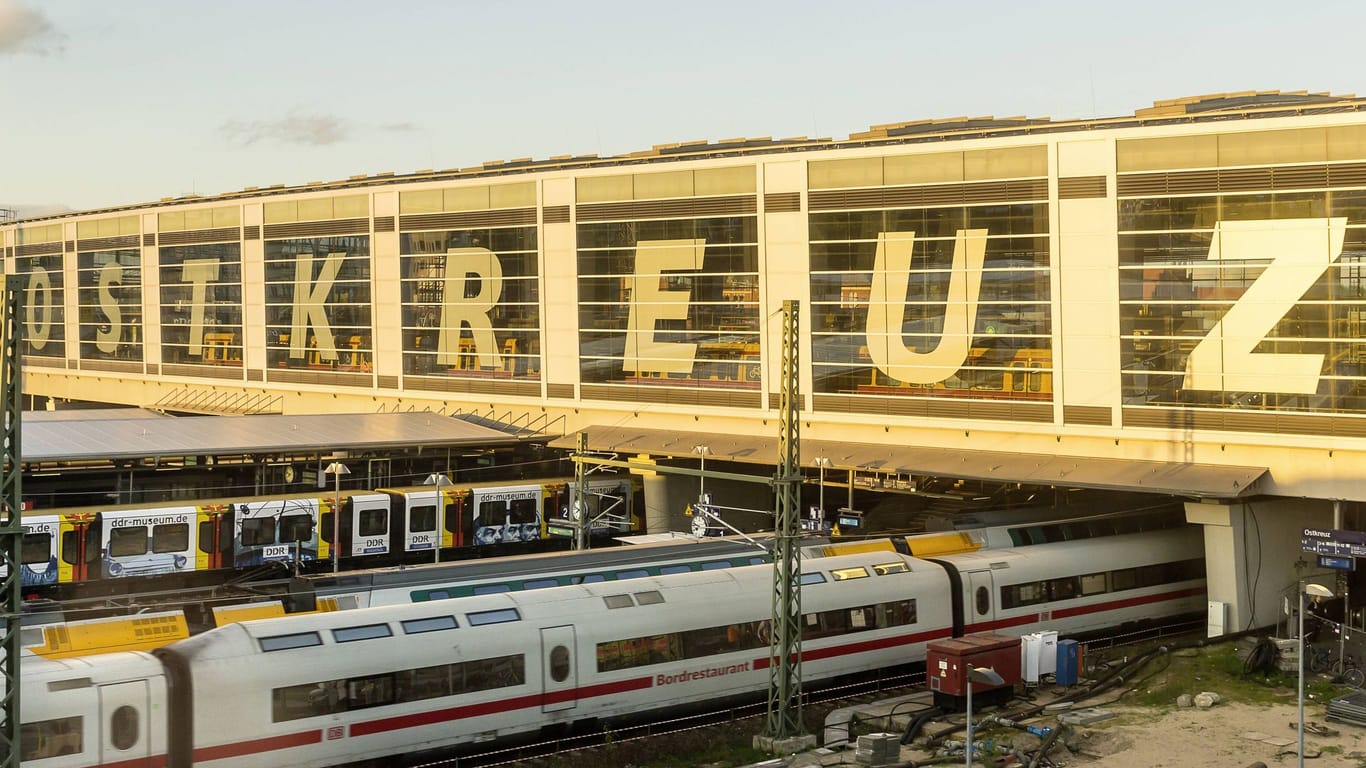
1317,590
438,479
336,469
977,675
821,462
702,451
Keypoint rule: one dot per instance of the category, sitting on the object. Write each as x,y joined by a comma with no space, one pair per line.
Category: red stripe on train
862,647
1082,610
268,744
417,719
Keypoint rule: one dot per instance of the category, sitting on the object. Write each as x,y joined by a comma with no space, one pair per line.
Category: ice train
350,686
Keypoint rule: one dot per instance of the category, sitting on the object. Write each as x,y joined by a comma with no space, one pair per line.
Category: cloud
307,130
27,30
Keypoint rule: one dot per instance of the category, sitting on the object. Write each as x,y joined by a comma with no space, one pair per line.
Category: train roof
542,563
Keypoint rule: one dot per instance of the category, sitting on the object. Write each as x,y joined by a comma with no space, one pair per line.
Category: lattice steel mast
11,518
784,717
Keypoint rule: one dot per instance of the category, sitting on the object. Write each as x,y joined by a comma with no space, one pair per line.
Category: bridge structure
1169,302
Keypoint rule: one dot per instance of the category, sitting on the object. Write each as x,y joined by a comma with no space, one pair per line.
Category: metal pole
578,507
336,525
1299,721
967,744
11,516
440,515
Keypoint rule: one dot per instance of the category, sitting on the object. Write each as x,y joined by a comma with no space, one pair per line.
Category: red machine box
947,663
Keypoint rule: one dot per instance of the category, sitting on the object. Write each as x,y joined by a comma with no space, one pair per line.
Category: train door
80,547
418,527
369,524
125,728
215,537
981,600
558,678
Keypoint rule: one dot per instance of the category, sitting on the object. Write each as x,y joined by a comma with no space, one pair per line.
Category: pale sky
113,102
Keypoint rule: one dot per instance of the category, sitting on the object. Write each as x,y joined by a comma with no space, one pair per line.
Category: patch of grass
1218,668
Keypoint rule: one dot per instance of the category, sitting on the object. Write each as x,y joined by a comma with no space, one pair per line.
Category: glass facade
932,301
471,303
318,304
201,304
1247,301
109,292
44,311
670,302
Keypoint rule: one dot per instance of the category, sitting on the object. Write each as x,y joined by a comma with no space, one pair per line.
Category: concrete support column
657,517
1252,555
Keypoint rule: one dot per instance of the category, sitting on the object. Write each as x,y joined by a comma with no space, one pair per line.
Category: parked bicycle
1324,660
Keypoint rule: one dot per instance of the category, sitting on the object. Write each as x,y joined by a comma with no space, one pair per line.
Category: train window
438,594
845,574
422,519
715,565
367,632
258,531
50,738
296,528
618,601
668,569
1064,588
813,578
434,624
559,663
524,511
37,548
1093,584
129,540
634,574
371,691
758,560
649,598
1126,578
374,522
224,534
883,569
287,642
170,538
491,589
123,727
540,584
325,527
499,616
593,578
983,598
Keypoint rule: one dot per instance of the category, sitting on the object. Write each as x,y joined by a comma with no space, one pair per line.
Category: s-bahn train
334,688
403,525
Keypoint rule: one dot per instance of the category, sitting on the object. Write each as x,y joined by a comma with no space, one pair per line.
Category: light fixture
336,469
1317,590
702,451
985,675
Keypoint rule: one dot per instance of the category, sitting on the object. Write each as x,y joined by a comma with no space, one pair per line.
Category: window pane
368,632
171,538
130,540
434,624
286,642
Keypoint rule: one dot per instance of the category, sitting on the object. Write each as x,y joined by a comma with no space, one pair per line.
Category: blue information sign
1340,563
1332,541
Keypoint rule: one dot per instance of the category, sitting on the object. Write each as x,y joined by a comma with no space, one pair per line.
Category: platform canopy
1166,477
131,433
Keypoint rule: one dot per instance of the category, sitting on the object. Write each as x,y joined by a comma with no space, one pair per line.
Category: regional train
389,586
349,686
72,546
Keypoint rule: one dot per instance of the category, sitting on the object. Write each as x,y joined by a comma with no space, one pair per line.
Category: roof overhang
1166,477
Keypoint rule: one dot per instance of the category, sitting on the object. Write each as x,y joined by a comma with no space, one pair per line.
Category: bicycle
1344,670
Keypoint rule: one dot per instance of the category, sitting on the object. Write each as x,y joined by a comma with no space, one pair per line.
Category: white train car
324,689
96,711
148,542
354,685
1082,586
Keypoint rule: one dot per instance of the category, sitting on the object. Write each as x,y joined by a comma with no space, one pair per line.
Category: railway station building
1170,302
